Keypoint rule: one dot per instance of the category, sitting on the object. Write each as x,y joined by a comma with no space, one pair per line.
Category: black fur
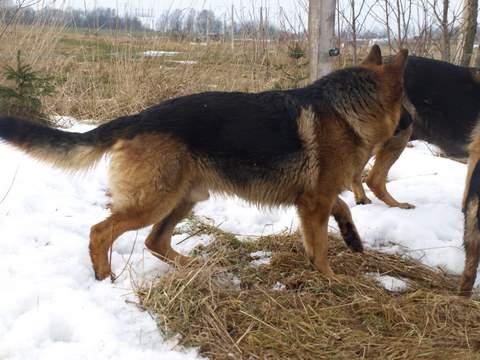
349,234
34,134
405,121
247,135
446,98
253,127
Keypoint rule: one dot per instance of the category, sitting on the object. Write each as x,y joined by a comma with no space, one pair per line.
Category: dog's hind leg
159,240
471,238
384,159
349,232
149,177
103,234
314,213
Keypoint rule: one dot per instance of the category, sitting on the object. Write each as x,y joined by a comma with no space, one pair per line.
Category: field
250,293
101,76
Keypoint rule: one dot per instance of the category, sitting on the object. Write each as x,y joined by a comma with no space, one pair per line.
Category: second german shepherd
298,147
441,106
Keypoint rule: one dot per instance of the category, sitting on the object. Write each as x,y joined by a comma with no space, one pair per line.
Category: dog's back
446,101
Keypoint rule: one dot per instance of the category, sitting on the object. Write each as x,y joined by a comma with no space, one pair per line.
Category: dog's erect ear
400,60
374,57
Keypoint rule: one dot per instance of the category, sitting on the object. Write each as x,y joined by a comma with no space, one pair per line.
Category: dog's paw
363,201
405,206
356,246
103,274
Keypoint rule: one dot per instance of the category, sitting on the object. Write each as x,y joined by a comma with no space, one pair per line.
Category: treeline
190,22
102,18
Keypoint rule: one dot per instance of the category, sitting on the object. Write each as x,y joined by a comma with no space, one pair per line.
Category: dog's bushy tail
471,238
63,149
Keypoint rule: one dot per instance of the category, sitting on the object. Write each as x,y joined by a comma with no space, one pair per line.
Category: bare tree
358,13
175,21
467,32
20,5
387,25
423,31
442,18
383,15
321,29
446,17
189,26
402,13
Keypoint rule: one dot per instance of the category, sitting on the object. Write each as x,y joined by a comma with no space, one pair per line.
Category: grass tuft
229,308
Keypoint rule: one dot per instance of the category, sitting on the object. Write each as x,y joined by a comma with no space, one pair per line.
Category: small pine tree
296,51
24,97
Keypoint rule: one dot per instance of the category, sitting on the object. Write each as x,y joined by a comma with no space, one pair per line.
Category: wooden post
321,30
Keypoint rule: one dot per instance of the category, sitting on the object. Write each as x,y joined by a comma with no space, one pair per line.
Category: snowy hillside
51,305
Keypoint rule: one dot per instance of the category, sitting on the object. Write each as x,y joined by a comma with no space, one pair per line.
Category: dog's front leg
384,159
360,197
314,212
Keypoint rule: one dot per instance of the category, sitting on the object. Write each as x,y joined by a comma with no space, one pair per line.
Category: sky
218,6
290,13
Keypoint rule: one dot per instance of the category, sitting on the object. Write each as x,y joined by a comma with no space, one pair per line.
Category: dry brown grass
100,76
230,309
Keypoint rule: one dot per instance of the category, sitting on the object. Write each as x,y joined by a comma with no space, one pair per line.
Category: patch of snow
279,286
237,216
184,62
52,305
228,280
261,258
155,53
389,282
433,231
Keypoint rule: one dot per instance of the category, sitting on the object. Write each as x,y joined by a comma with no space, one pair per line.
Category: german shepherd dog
298,147
441,106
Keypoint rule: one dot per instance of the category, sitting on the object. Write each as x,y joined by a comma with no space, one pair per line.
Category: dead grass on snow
230,309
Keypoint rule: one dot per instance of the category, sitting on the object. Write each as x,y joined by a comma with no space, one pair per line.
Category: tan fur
474,156
385,157
80,158
471,237
472,246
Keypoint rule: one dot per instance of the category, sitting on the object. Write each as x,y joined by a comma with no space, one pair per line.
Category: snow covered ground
154,53
52,306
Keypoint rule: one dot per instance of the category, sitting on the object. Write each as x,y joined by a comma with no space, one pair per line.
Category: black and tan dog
442,106
297,147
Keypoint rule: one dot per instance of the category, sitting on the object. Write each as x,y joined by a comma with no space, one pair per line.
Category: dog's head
368,97
389,81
